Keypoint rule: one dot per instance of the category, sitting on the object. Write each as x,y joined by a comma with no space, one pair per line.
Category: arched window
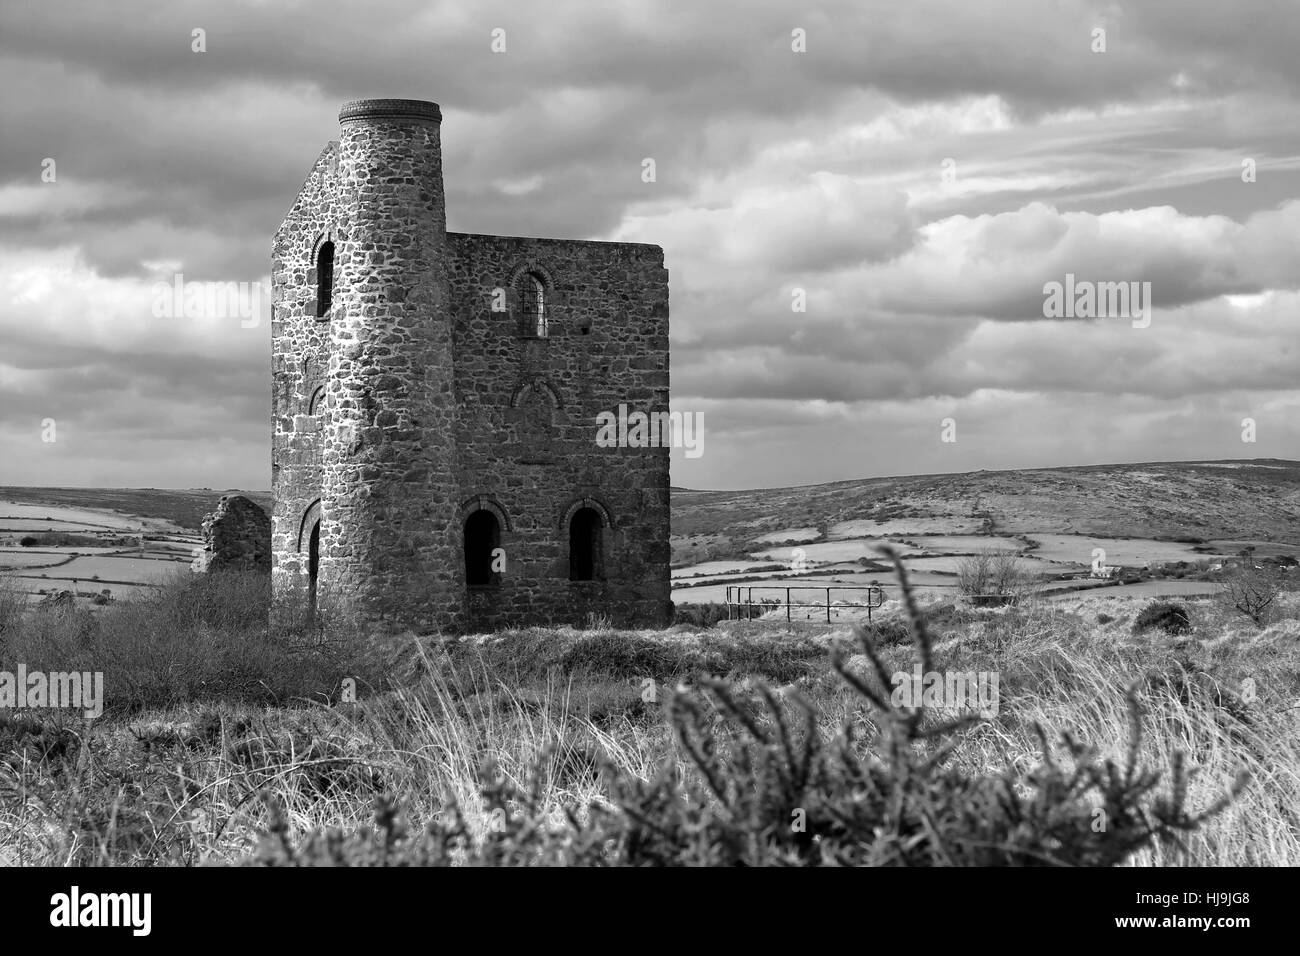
482,539
532,305
317,401
309,544
586,546
313,564
324,278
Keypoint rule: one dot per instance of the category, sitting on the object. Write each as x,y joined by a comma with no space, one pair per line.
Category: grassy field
224,742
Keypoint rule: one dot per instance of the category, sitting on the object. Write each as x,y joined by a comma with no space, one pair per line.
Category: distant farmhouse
435,401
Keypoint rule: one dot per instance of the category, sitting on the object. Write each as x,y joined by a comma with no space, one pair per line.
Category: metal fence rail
741,598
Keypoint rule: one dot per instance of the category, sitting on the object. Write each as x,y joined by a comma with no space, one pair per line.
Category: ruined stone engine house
435,401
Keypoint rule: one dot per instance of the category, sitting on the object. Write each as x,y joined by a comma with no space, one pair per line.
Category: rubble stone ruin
237,536
435,402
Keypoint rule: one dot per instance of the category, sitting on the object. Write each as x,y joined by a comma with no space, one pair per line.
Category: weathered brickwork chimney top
397,111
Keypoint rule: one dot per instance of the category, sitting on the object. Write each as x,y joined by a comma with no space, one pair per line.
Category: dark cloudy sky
776,170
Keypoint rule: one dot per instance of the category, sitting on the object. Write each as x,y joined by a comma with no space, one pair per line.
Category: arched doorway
482,539
586,546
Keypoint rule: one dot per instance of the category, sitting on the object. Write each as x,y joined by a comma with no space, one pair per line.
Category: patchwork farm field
51,516
1078,549
76,541
1059,523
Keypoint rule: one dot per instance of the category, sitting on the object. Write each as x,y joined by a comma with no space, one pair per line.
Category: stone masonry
236,536
435,403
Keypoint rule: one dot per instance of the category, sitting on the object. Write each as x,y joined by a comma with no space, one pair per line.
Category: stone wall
300,350
236,537
526,427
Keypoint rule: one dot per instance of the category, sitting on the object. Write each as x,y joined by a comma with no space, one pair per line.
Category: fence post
787,605
828,605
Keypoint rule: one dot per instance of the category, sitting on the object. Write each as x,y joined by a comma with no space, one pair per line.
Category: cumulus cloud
858,235
997,265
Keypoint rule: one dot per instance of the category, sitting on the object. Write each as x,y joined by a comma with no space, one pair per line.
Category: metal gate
741,602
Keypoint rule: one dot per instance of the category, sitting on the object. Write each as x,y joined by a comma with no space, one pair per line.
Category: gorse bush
706,615
761,781
534,653
699,615
26,737
887,633
1168,616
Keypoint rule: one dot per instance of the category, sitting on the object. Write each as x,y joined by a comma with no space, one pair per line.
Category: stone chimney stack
389,544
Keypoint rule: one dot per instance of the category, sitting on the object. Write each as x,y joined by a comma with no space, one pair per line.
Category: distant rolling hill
185,507
1256,499
1247,499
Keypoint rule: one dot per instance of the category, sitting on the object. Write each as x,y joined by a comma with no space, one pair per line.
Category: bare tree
973,573
1008,573
1252,591
990,571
